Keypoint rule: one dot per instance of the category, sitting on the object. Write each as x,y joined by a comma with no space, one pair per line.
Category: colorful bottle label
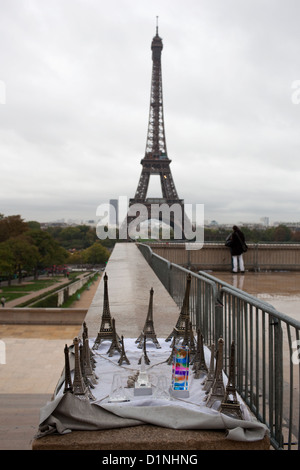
180,368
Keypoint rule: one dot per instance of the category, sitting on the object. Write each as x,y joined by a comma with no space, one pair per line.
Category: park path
82,303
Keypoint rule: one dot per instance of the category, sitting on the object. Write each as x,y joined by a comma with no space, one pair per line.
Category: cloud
77,78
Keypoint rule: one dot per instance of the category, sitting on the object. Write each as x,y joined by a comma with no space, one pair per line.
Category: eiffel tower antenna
106,328
156,160
148,330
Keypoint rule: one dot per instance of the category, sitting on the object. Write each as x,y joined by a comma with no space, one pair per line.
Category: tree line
25,247
279,234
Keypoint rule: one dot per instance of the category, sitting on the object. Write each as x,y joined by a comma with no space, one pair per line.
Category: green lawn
31,286
19,290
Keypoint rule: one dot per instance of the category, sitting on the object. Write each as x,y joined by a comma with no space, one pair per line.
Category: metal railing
266,342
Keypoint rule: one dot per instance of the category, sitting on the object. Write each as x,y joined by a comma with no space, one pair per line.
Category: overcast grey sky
75,81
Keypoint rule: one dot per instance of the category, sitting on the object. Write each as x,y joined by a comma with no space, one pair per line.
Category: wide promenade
129,282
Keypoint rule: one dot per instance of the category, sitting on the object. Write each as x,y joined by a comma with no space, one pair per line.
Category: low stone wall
216,256
42,316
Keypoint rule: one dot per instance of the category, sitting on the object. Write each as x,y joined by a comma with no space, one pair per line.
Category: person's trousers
238,261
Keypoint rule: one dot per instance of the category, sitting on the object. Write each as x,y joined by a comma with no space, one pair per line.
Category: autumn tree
12,226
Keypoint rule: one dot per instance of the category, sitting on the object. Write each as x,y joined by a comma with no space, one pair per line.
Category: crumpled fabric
67,412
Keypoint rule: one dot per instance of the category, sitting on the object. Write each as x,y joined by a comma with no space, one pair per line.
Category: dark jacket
237,238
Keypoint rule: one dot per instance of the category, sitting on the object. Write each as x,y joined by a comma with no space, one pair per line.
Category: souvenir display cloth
67,412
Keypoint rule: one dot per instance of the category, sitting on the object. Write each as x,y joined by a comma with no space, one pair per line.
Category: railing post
218,316
278,380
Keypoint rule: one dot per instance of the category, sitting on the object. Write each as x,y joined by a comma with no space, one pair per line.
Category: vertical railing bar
291,385
257,368
249,376
271,376
264,367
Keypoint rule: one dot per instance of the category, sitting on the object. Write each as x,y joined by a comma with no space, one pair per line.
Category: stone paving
34,362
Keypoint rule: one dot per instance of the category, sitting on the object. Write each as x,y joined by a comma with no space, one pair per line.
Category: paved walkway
34,354
34,361
130,279
31,295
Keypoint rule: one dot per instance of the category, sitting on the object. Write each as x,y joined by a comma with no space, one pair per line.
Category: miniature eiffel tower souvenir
230,405
123,357
106,328
217,391
145,355
79,387
89,355
87,381
207,384
169,361
115,344
199,364
179,329
86,360
148,330
188,339
68,381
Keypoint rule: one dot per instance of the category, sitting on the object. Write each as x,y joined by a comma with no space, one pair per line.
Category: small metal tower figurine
123,357
199,364
144,355
79,386
207,384
217,391
188,339
85,336
148,330
106,328
87,369
87,380
179,330
230,405
115,344
68,380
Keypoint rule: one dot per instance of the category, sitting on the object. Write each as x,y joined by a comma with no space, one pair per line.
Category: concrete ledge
145,437
42,316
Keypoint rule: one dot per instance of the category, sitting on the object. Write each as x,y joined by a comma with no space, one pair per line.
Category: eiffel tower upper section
156,159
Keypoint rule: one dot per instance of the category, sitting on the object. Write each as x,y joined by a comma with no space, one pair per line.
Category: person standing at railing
236,243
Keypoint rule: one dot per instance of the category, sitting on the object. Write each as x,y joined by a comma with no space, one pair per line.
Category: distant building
114,214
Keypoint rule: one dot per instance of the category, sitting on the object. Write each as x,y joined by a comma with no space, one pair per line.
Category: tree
25,254
282,234
50,252
7,261
95,254
12,226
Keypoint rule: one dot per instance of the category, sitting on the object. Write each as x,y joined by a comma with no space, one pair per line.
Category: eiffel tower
148,330
183,321
106,329
156,161
230,404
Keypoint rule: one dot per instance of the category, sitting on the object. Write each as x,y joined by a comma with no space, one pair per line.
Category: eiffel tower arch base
171,213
